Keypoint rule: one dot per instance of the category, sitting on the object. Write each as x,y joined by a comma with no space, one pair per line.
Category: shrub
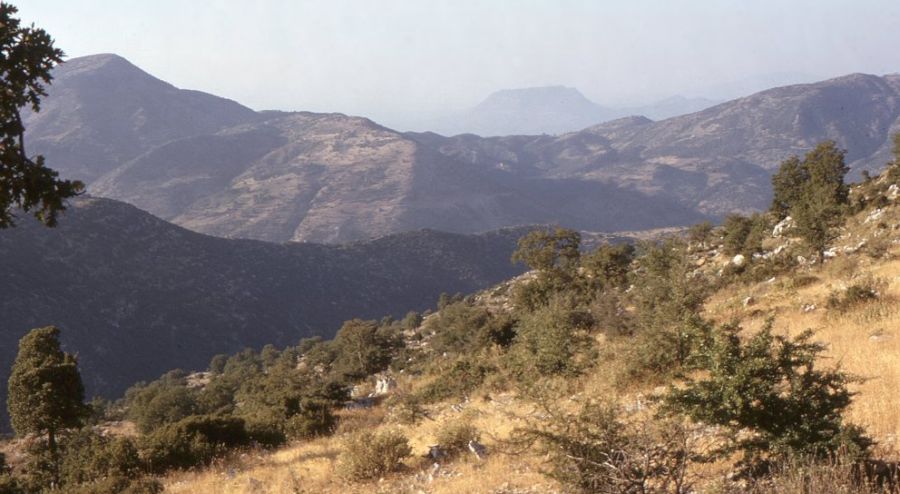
314,418
546,344
856,294
770,386
191,442
462,378
454,437
88,456
369,455
596,451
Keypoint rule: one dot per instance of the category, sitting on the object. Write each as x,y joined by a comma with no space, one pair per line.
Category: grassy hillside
861,337
681,364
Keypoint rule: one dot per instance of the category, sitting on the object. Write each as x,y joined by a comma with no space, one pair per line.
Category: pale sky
393,60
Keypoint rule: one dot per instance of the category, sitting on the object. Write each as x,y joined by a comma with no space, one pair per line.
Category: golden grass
311,466
864,340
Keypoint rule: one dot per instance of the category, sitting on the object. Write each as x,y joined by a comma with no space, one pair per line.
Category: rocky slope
216,167
137,296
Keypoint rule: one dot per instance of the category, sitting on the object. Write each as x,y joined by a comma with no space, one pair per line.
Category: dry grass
310,467
864,340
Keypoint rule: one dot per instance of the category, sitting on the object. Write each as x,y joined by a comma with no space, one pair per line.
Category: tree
26,56
46,394
361,350
813,192
787,186
770,386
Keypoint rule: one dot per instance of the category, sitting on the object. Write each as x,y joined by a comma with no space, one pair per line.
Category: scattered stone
880,335
893,192
874,215
783,226
747,302
739,260
477,449
830,253
384,385
808,307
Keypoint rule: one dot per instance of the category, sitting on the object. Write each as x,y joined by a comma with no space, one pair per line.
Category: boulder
784,225
739,260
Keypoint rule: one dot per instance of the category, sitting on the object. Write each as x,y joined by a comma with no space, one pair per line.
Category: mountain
717,160
527,111
216,167
103,111
550,110
137,296
672,106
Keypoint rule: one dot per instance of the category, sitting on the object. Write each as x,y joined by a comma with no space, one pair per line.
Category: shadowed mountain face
216,167
104,111
136,296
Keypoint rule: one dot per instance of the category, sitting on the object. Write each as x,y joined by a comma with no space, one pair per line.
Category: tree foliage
813,192
46,395
27,55
770,386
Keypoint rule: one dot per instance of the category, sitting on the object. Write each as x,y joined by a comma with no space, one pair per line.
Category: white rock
739,260
874,215
893,192
784,225
830,253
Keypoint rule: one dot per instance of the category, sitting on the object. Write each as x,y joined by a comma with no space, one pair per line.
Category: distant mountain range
549,110
216,167
136,296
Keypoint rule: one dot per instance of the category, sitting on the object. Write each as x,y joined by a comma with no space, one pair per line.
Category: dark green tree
46,395
26,56
554,252
361,350
787,186
893,171
813,192
770,386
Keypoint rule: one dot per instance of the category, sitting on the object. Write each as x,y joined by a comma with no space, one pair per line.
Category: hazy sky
391,60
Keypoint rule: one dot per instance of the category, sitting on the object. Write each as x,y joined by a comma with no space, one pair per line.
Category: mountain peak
555,97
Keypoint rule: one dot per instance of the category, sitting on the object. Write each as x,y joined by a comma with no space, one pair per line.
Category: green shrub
546,344
370,455
454,437
314,418
856,294
463,376
191,442
769,394
597,451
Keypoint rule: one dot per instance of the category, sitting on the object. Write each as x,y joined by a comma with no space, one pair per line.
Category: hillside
104,111
859,334
216,167
136,296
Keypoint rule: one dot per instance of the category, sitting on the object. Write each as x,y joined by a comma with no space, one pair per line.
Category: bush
88,456
454,437
369,455
769,386
313,419
192,442
462,378
856,294
596,451
546,344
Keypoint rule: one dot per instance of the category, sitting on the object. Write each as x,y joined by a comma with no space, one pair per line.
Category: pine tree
26,56
46,395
